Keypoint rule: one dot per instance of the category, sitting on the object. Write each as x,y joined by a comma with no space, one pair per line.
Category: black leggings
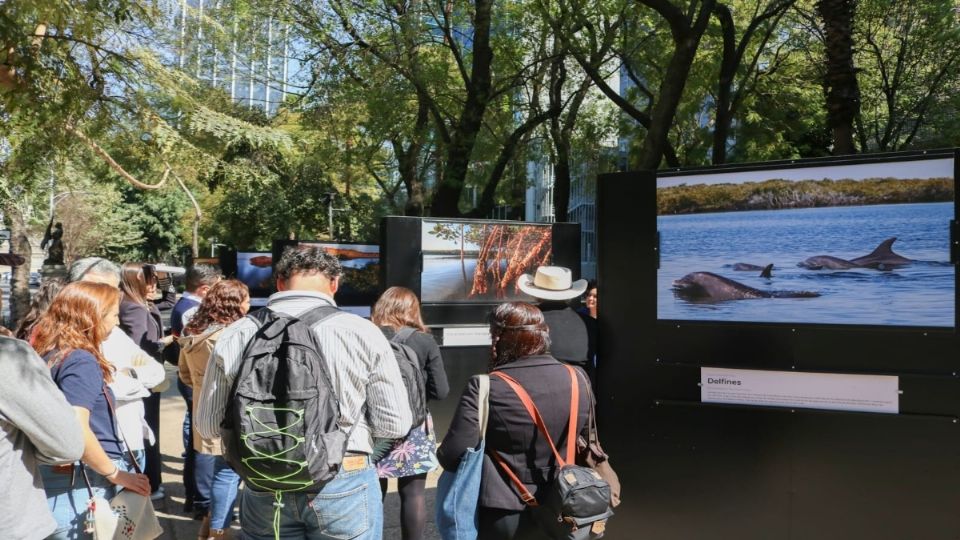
413,506
151,406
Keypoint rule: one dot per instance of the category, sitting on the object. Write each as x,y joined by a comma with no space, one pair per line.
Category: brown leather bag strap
532,410
525,494
574,410
534,413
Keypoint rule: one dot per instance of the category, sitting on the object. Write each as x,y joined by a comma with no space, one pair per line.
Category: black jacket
511,431
570,339
431,363
144,325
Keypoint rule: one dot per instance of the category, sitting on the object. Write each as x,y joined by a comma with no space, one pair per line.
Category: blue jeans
141,456
203,477
223,494
189,454
67,498
348,507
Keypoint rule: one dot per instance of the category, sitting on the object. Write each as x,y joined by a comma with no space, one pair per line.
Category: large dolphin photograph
850,244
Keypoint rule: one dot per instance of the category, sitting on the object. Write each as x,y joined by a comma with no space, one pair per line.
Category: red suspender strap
574,410
534,413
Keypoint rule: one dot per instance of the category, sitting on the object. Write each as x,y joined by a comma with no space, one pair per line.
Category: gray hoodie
36,424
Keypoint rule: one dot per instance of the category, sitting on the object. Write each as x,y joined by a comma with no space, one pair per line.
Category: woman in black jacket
397,312
140,319
520,349
139,314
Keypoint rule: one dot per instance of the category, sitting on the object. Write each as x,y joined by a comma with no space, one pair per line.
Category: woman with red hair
224,303
68,337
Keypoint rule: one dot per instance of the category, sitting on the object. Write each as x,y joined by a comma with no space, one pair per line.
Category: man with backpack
298,391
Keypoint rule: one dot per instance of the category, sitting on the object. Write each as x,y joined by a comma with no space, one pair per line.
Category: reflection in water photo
480,262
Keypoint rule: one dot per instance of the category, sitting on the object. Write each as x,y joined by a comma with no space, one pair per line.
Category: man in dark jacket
199,279
571,337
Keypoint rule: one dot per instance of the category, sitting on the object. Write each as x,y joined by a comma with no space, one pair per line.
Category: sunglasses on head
149,273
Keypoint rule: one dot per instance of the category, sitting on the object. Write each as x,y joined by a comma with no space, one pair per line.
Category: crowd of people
80,391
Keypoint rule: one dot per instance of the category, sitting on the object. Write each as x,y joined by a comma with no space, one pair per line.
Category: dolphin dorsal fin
885,247
766,273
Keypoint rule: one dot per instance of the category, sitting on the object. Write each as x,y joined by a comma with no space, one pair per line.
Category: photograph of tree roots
463,262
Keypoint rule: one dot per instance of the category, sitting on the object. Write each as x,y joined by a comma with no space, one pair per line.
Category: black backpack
412,374
281,431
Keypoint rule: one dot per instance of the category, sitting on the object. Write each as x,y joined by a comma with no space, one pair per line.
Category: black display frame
801,473
230,266
676,334
403,266
280,245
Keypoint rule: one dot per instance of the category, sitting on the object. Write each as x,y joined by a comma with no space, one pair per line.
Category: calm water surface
921,294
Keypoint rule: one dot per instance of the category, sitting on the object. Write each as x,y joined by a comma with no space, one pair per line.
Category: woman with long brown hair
140,319
38,306
68,337
397,313
520,345
224,303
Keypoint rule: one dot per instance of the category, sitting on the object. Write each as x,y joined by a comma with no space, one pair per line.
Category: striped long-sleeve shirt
364,370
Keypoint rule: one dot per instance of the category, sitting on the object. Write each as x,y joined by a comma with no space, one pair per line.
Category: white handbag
128,516
136,519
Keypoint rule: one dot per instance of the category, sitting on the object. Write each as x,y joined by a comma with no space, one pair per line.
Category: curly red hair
74,321
223,304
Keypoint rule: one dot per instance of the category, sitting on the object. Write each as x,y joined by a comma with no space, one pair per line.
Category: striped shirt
362,366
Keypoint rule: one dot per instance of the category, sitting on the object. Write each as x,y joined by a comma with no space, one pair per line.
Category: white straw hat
552,283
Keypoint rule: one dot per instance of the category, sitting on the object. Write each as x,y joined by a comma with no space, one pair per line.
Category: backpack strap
318,314
403,335
534,413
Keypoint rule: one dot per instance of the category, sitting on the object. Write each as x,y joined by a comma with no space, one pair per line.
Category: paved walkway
180,526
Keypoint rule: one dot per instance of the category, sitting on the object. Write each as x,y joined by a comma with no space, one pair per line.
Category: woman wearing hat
571,336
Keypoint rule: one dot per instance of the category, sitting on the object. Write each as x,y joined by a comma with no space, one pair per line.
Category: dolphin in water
709,287
883,257
827,261
765,271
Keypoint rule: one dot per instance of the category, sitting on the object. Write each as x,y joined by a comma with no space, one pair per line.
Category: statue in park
52,238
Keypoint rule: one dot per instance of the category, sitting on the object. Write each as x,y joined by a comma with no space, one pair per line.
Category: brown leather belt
63,469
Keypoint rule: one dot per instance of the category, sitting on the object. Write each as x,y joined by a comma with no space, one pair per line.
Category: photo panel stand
461,325
751,471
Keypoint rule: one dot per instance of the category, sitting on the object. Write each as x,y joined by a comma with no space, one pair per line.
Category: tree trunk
728,69
561,173
20,275
446,201
842,90
665,109
407,167
561,133
408,158
686,41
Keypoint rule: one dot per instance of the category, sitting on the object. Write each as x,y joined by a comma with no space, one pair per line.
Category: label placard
829,391
466,336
